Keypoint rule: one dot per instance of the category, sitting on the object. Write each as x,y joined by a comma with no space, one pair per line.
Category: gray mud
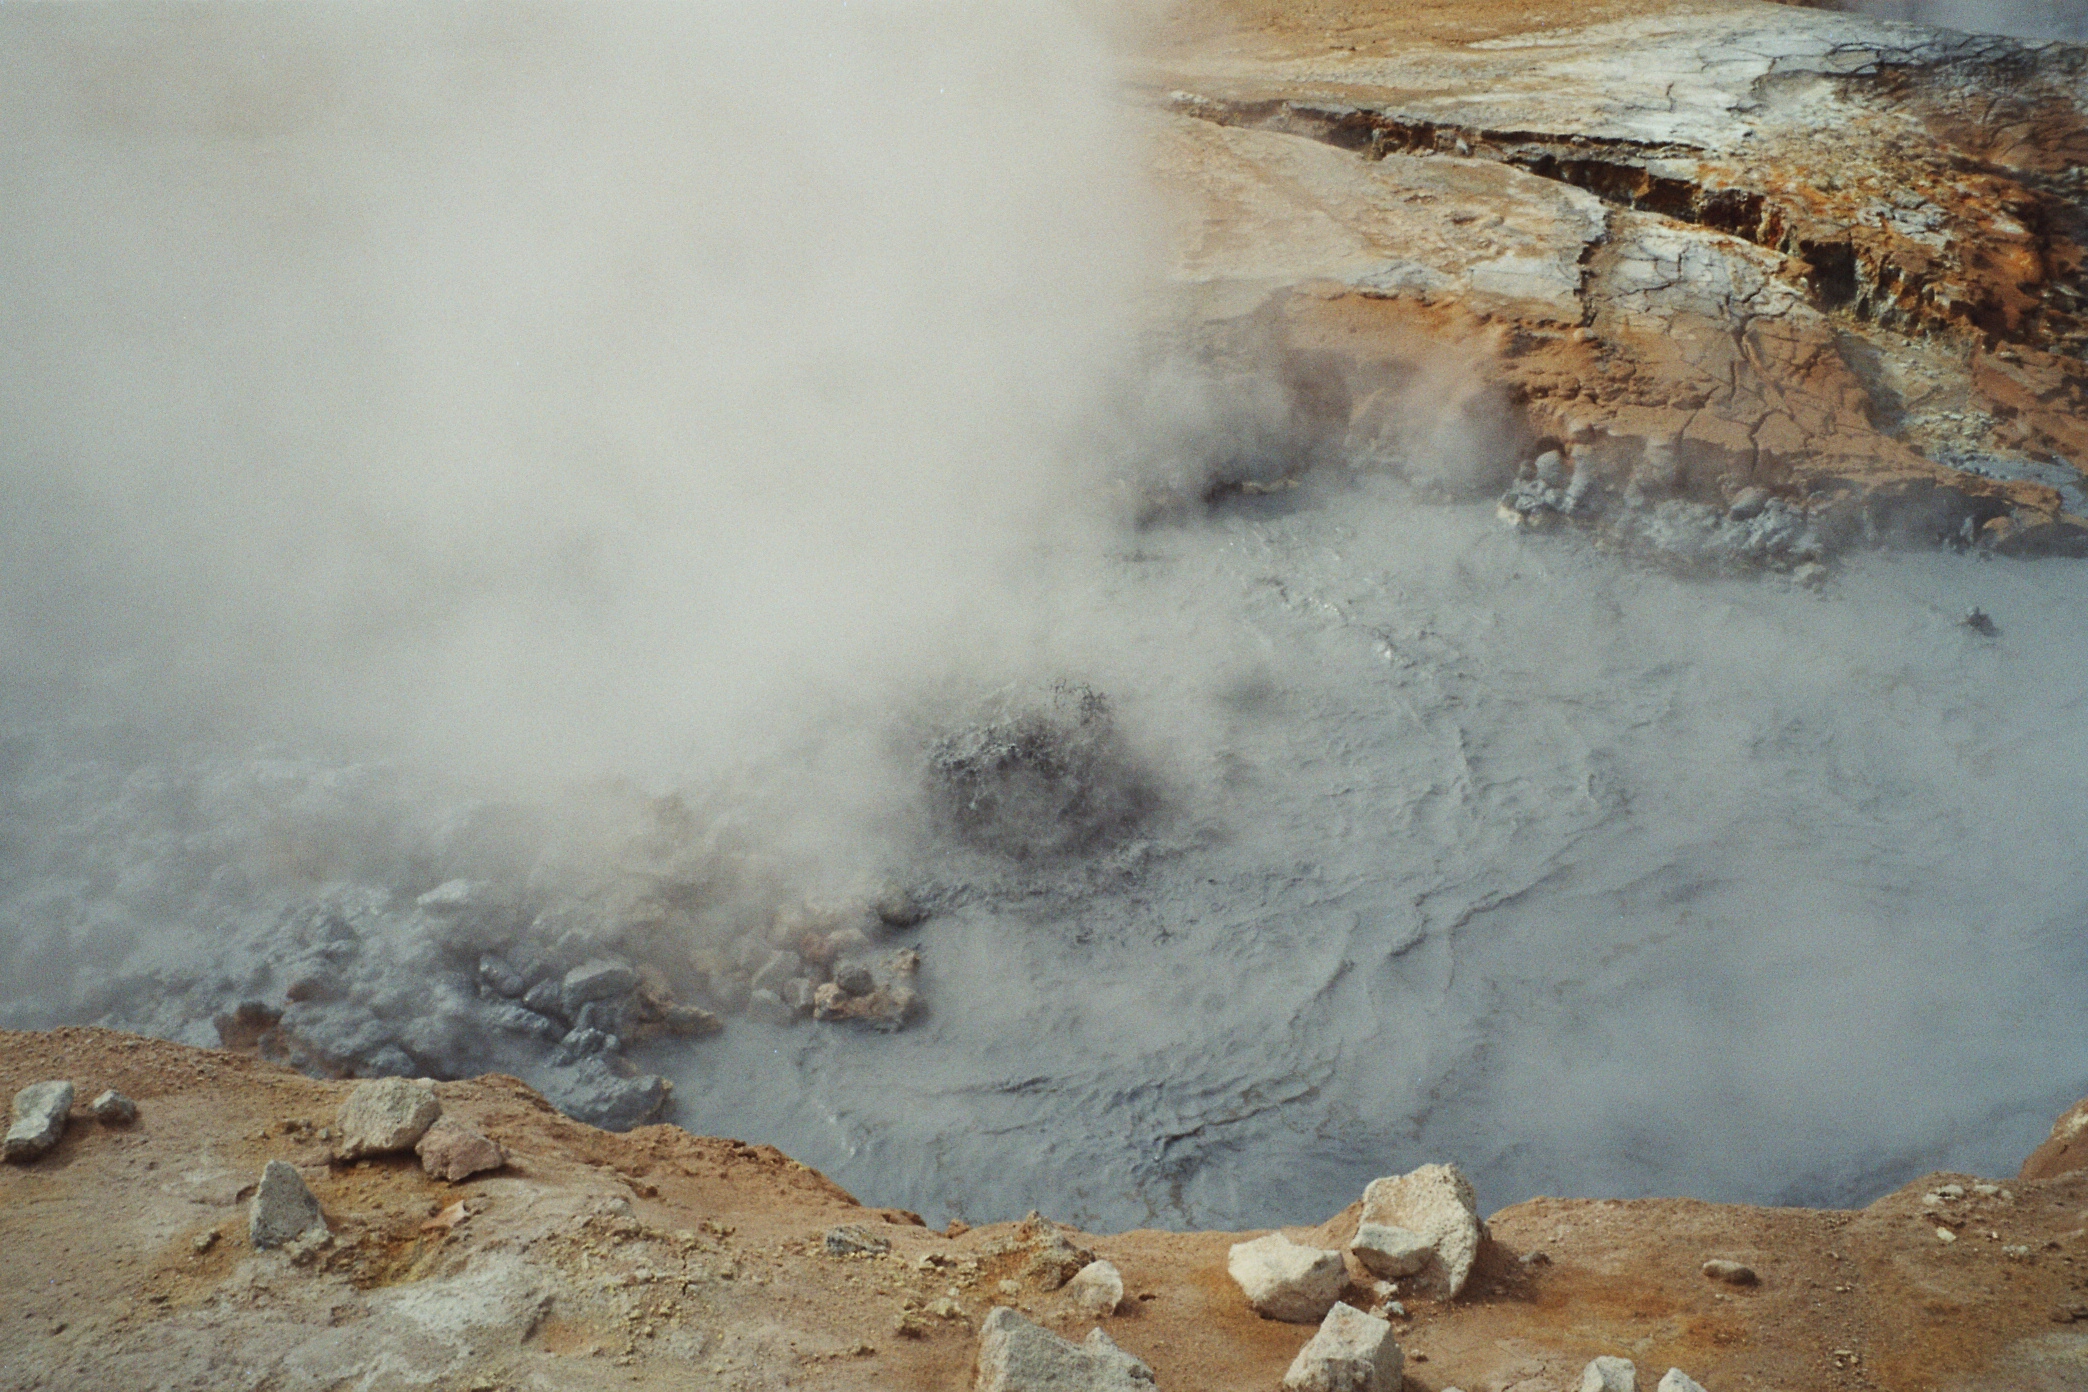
1462,844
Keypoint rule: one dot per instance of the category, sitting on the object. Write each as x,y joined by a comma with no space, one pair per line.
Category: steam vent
1176,696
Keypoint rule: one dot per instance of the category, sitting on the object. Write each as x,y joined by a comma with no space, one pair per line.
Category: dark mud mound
1040,779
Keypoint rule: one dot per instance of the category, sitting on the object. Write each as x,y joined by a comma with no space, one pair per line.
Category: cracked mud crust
1724,246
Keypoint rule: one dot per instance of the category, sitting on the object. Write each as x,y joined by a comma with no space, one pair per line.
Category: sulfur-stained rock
1016,1355
112,1108
1285,1281
1352,1352
38,1120
384,1115
1435,1202
452,1151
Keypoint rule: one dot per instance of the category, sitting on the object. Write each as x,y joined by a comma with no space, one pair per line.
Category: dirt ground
662,1259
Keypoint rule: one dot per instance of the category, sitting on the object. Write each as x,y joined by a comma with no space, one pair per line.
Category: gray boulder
1352,1352
1285,1281
1018,1356
384,1115
1609,1375
38,1121
1436,1202
597,979
284,1208
594,1092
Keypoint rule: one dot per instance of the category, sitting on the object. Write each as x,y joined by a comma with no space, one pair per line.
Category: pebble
39,1120
1731,1272
112,1108
852,1240
1609,1375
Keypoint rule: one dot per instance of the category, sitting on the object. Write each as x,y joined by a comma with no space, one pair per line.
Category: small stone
1945,1235
112,1108
384,1115
38,1121
1437,1202
1675,1380
1609,1375
852,1240
1731,1272
1352,1352
1285,1281
1097,1288
597,979
452,1151
1391,1252
1009,1289
205,1241
1951,1191
1016,1355
854,979
284,1208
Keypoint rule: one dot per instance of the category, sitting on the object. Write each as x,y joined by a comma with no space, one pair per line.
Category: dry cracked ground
1714,252
658,1259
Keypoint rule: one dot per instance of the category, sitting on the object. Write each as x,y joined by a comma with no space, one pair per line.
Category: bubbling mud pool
1462,844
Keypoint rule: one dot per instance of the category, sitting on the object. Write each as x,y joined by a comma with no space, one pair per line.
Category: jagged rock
1390,1252
112,1108
452,1151
1097,1288
853,1240
597,979
1352,1352
1675,1380
284,1208
1285,1281
38,1120
1056,1261
384,1115
1018,1356
583,1042
1609,1375
593,1091
1731,1272
1436,1202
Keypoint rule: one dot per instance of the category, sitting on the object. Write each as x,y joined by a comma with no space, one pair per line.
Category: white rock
39,1120
1678,1381
1609,1375
1435,1201
1018,1356
1285,1281
383,1115
1098,1288
112,1108
1353,1352
284,1208
1391,1251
